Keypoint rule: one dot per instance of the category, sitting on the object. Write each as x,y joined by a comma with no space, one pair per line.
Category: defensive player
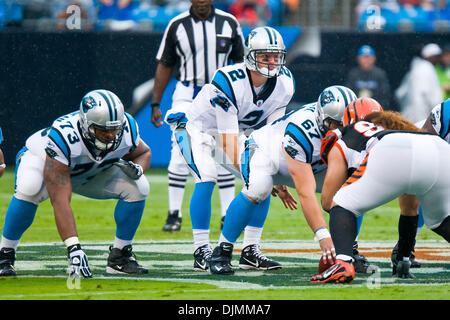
95,152
2,159
239,97
284,153
396,163
345,160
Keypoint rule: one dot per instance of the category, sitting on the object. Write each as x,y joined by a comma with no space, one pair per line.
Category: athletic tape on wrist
321,234
71,241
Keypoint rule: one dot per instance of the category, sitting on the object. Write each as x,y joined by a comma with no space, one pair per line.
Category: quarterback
95,152
240,97
283,153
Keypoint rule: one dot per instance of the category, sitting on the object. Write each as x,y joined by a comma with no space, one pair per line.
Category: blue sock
420,223
240,212
128,216
359,221
18,219
258,219
200,206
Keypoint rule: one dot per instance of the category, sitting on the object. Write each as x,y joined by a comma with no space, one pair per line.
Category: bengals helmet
358,109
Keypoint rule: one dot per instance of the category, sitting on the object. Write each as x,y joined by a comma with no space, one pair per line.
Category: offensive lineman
239,97
95,152
284,153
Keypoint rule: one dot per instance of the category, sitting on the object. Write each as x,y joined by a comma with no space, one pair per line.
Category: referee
197,42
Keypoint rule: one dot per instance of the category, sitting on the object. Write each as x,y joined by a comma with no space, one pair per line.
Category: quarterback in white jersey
95,152
283,153
239,97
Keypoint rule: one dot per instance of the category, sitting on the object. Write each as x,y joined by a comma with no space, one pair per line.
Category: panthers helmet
264,40
332,103
359,109
101,109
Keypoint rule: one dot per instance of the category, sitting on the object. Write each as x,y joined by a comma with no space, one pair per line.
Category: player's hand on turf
78,262
285,196
328,250
156,117
131,169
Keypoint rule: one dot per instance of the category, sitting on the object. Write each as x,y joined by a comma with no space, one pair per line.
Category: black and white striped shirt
201,46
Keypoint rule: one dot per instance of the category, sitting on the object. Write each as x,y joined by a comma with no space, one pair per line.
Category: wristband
3,165
156,104
321,234
71,241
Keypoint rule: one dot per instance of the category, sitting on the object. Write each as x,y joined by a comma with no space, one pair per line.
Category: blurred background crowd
153,15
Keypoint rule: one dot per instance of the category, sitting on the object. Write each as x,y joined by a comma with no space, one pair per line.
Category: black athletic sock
343,230
407,230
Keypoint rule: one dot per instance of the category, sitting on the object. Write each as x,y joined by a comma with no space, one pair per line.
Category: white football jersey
298,134
63,142
229,103
440,119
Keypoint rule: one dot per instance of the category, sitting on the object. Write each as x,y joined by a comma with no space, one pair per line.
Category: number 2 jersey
229,103
298,134
63,142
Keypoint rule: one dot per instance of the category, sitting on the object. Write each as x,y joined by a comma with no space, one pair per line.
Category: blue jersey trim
58,139
445,119
133,128
221,82
300,138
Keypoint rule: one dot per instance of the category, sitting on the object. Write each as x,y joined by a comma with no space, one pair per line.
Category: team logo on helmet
326,97
88,103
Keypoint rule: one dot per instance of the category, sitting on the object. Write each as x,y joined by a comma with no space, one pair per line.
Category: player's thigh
114,184
29,180
257,175
177,163
379,179
197,150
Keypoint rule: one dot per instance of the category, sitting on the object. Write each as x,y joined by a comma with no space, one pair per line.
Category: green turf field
41,257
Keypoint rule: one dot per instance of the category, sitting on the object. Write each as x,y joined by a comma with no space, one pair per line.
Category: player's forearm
230,147
65,221
162,77
312,212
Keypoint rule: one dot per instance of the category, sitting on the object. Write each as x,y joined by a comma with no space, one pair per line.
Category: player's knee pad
258,193
136,190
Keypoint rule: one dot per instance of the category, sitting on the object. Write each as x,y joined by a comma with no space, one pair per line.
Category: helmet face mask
332,102
265,43
102,120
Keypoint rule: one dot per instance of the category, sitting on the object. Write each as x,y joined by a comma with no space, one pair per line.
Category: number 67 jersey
298,134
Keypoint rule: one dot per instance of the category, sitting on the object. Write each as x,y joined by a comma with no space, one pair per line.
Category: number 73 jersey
64,143
230,103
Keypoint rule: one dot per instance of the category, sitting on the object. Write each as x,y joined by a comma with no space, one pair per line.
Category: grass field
41,257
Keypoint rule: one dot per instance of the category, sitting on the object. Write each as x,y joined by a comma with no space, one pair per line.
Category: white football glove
131,169
78,262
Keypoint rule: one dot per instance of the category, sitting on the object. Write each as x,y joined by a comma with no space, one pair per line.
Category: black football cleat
220,262
201,258
400,269
123,262
7,258
173,222
253,259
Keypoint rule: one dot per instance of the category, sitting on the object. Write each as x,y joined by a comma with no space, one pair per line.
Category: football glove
131,169
78,262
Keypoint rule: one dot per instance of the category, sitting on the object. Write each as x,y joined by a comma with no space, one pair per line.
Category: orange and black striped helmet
358,109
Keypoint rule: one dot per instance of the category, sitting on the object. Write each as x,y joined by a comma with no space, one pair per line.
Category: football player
396,163
2,159
95,152
284,153
240,97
